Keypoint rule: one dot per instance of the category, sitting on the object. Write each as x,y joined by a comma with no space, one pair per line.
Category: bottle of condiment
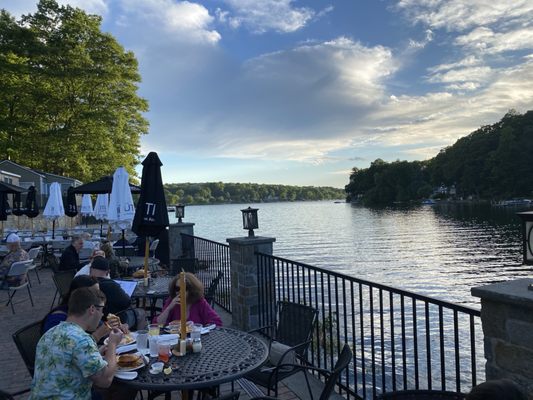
183,347
196,345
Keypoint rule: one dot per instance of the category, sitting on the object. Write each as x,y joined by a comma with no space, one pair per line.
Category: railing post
244,279
507,319
175,239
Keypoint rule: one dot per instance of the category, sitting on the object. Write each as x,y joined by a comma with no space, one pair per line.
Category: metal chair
62,280
18,272
294,329
421,395
212,289
33,254
332,376
26,340
153,247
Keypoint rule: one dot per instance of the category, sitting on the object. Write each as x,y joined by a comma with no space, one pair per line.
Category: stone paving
13,373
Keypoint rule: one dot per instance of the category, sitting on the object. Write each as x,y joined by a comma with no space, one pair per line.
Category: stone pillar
507,319
174,239
245,282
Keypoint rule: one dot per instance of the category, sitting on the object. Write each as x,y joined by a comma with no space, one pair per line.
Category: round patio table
136,262
226,355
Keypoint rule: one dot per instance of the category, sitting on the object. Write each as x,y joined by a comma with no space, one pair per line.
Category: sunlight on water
439,251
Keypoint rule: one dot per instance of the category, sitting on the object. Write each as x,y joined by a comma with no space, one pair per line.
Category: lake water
441,251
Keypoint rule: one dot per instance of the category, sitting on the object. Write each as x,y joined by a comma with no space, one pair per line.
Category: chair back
26,341
212,289
34,252
342,362
154,244
295,324
62,280
19,268
422,395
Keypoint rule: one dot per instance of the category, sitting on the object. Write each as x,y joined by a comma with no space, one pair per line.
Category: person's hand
115,336
113,323
174,302
100,332
102,349
125,328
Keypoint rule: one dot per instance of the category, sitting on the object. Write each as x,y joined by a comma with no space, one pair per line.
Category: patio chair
62,280
26,339
332,376
288,345
421,395
212,289
33,254
18,272
153,247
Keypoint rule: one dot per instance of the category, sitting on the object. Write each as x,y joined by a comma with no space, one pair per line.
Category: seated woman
198,309
16,253
59,313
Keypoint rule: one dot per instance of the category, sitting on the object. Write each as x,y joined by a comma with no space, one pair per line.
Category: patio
13,373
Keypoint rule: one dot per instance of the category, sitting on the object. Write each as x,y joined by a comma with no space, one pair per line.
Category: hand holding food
115,337
112,321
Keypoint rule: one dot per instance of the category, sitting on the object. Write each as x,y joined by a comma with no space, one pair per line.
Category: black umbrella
102,185
71,208
32,206
5,210
151,215
18,210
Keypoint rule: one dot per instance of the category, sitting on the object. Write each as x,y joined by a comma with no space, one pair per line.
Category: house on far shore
22,176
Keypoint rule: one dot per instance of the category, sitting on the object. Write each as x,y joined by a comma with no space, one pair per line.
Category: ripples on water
440,251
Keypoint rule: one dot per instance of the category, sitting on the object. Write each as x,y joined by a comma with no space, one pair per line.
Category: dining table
129,265
226,355
157,289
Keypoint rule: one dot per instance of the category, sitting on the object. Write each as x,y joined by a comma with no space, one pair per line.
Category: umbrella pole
54,229
101,230
146,254
32,231
18,222
2,234
123,244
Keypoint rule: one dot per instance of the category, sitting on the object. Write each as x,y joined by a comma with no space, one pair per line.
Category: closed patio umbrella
86,208
101,209
54,206
121,209
5,189
151,215
71,207
32,206
18,209
102,185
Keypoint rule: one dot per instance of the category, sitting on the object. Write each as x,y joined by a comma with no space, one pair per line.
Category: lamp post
527,236
249,220
180,212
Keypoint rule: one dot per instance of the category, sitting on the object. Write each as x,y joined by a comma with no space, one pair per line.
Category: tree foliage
68,94
218,192
493,163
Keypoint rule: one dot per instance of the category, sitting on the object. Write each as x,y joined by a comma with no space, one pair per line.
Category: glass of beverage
153,329
196,331
164,350
142,341
154,349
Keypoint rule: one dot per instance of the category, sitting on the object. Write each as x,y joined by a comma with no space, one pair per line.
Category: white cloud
268,15
484,39
472,74
184,20
469,61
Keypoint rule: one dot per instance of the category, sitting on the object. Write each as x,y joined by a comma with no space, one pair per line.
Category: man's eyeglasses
98,306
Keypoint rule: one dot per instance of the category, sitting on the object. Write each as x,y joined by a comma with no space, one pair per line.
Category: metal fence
213,257
401,340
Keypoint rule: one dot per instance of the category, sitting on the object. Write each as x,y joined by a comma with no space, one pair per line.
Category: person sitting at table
16,253
117,299
70,258
87,243
59,313
77,362
86,269
198,309
114,261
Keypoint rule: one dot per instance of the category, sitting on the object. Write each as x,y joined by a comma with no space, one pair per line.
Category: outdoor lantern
527,236
249,220
180,212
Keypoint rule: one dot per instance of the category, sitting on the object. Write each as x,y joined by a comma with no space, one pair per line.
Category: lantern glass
250,220
180,211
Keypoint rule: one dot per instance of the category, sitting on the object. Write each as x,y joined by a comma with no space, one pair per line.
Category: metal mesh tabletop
226,355
158,288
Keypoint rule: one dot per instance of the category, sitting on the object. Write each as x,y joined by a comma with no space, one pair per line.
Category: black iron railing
401,340
212,257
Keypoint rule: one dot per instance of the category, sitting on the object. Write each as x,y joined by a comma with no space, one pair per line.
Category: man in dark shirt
70,258
117,299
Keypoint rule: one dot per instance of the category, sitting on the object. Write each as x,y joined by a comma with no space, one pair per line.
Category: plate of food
126,340
175,326
130,362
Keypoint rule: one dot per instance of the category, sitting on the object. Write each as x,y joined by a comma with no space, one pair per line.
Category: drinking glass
164,350
153,329
154,349
196,331
142,341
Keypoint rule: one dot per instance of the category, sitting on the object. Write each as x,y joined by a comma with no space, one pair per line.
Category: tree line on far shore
493,162
219,192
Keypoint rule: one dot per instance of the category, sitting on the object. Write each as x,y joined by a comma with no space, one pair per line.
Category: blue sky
299,92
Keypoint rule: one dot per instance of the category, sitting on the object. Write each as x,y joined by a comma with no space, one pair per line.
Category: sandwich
129,360
112,321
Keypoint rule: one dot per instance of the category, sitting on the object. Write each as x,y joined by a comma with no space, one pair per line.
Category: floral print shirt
66,357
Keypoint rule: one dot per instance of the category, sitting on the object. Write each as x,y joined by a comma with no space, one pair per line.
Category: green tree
69,102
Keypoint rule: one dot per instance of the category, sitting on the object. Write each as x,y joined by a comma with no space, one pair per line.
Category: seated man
76,360
16,253
86,269
117,299
70,258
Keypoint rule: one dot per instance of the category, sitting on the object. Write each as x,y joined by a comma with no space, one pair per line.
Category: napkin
125,349
126,375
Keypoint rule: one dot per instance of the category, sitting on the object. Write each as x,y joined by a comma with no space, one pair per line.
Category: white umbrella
101,208
86,208
121,210
54,206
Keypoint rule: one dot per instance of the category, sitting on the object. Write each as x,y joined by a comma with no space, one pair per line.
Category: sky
300,92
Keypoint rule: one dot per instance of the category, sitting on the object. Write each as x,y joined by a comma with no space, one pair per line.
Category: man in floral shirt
16,253
67,360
